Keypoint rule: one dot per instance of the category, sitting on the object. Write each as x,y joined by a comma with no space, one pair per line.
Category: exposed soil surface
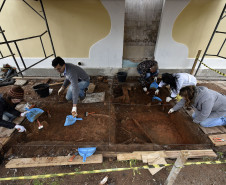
115,113
113,123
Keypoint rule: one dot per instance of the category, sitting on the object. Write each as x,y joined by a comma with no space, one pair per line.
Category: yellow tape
106,170
223,74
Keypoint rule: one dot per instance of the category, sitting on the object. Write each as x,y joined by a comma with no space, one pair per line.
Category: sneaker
224,121
82,98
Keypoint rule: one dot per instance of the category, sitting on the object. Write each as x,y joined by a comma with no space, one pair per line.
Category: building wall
186,27
87,31
142,20
195,24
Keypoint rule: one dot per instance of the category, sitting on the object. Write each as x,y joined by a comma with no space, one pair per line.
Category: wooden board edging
52,161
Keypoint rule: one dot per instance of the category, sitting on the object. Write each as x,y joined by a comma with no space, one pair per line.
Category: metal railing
7,43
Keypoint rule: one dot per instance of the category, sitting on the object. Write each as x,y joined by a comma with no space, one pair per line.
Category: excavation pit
128,117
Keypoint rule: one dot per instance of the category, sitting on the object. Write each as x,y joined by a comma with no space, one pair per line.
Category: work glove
155,78
157,92
171,111
74,111
61,90
168,99
145,89
20,128
24,113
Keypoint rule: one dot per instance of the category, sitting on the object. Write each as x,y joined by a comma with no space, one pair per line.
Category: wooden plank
142,129
52,161
181,160
192,153
222,136
167,154
55,84
195,62
154,155
3,141
213,130
21,107
20,82
223,129
5,132
159,160
18,120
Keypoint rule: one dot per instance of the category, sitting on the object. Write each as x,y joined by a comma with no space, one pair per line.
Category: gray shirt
73,75
207,104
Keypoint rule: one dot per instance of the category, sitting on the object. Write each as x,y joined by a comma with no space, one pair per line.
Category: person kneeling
209,106
8,113
147,69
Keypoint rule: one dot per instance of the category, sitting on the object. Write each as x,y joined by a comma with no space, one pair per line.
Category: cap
16,92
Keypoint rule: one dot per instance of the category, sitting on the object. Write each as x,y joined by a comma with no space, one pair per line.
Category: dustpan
154,85
33,114
156,98
70,120
86,152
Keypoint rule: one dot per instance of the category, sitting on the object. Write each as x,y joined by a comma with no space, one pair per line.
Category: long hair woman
209,106
176,81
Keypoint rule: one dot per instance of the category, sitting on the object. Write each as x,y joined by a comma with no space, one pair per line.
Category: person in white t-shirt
176,81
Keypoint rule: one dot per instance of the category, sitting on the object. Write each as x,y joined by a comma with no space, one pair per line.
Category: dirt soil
113,123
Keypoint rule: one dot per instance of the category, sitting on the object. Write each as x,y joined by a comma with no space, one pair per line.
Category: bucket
121,76
42,90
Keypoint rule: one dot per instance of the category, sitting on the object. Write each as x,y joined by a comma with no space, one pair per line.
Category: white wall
106,53
171,54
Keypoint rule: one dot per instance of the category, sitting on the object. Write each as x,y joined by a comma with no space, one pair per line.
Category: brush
39,125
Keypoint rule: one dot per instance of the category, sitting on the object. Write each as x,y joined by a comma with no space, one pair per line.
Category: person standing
76,77
147,69
8,113
209,106
176,81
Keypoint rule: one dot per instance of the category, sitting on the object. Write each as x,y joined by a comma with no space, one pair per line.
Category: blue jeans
212,122
8,117
82,85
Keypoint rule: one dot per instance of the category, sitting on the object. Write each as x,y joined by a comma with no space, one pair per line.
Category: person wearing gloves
76,77
209,106
176,82
147,69
8,113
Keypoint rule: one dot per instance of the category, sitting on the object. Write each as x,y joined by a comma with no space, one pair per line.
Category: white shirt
183,80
